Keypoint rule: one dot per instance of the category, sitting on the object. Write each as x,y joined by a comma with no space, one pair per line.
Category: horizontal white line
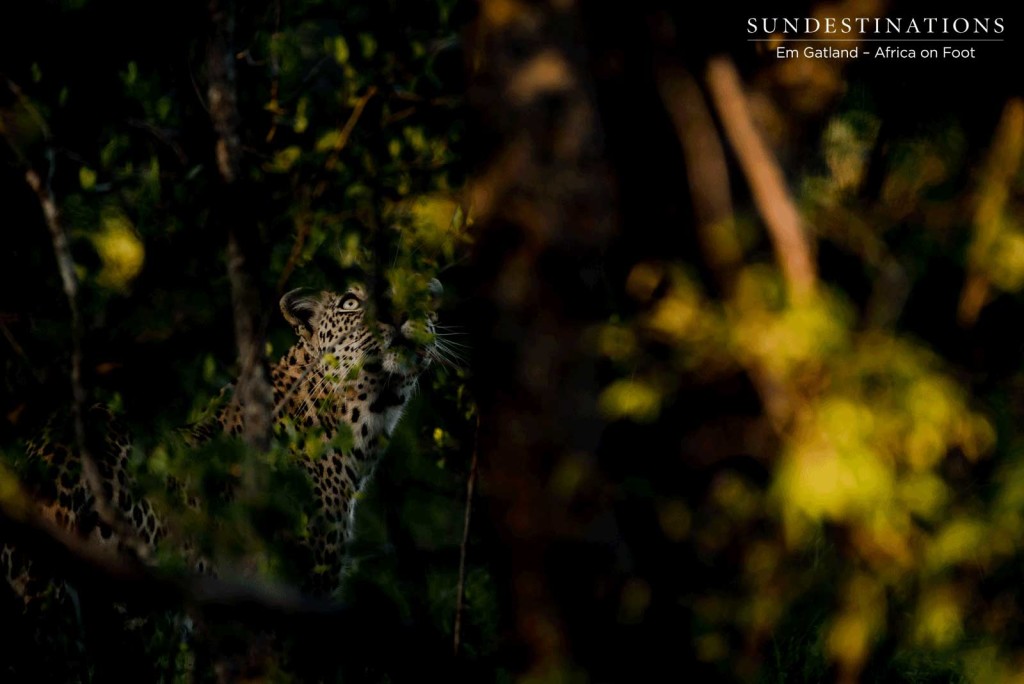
875,40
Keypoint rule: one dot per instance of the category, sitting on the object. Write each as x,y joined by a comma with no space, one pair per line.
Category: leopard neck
313,395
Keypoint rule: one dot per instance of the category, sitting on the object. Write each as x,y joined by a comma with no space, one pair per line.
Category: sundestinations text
877,25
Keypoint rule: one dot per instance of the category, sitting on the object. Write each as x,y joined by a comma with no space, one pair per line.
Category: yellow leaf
341,53
617,342
120,250
923,494
631,399
939,620
328,141
368,44
284,159
301,122
848,639
961,540
643,280
87,177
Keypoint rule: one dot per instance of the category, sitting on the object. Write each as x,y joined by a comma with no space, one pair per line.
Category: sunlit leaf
86,178
121,252
631,399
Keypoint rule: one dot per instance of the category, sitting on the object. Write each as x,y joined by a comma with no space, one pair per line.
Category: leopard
344,383
343,375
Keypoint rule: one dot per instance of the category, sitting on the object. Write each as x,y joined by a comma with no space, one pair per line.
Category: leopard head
347,332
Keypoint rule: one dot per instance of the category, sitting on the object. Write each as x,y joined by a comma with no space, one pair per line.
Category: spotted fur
343,373
62,495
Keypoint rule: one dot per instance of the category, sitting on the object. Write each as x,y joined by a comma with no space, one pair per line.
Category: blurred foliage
864,522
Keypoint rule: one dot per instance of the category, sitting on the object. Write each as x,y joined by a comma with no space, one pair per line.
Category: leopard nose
435,288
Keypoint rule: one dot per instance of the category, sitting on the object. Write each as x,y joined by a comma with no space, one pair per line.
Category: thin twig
275,72
324,182
350,124
767,182
18,349
460,591
307,79
161,136
27,104
293,258
69,283
195,87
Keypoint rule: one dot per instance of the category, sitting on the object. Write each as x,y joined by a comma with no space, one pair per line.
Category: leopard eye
350,303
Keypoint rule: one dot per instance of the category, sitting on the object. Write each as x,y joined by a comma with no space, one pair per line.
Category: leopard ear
298,308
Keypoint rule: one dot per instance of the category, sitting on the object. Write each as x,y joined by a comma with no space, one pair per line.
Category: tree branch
253,391
767,182
127,576
1001,167
706,170
69,283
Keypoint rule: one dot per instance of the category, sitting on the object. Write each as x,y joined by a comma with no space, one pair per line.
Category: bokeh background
741,385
